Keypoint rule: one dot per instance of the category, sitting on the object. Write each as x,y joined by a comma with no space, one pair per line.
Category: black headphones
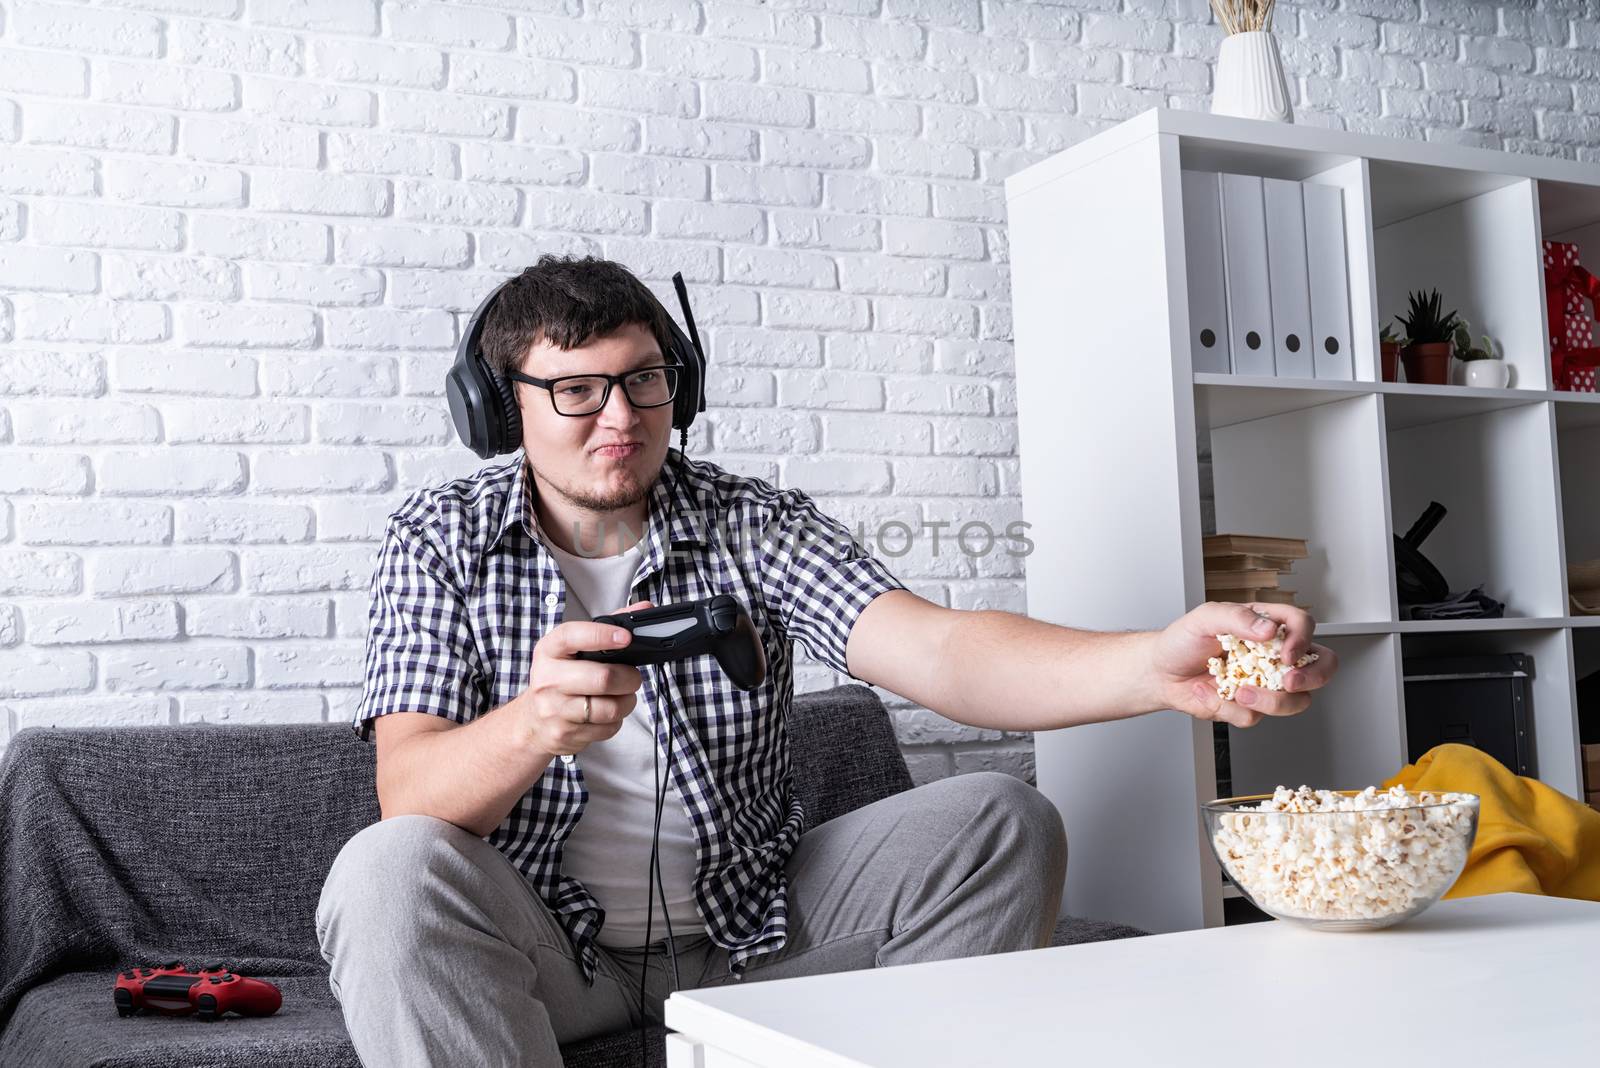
483,404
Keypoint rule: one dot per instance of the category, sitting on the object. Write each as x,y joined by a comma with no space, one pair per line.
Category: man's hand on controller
558,683
1183,649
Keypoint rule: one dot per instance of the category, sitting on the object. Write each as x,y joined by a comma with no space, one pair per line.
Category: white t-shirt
609,850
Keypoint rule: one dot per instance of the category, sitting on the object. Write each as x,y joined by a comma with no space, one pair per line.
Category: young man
499,907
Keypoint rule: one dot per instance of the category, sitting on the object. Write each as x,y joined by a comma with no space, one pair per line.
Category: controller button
215,979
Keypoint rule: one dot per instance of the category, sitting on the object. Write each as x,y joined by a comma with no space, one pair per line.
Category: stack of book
1591,775
1249,567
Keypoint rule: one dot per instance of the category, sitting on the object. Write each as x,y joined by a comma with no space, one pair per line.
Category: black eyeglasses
648,387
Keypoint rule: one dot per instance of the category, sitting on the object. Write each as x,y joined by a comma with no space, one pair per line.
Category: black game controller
717,625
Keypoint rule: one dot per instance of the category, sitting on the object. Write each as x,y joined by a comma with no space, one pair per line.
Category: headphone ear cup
477,407
681,412
464,414
687,401
508,427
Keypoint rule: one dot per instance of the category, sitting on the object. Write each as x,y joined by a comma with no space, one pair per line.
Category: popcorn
1251,663
1375,855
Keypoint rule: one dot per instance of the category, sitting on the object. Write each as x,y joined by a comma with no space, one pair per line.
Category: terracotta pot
1427,363
1391,354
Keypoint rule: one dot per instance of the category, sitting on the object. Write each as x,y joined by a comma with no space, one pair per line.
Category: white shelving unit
1112,416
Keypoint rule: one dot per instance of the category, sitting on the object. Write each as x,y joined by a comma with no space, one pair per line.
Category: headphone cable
653,880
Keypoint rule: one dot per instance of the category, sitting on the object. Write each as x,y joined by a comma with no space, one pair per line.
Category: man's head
570,316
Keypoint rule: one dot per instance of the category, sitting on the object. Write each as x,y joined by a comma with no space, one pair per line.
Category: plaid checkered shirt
464,587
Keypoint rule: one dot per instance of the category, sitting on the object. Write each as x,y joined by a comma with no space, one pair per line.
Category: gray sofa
121,846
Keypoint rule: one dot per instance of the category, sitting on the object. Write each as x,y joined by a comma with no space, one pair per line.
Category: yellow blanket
1531,839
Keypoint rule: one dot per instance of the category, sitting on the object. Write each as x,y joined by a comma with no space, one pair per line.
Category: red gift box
1573,357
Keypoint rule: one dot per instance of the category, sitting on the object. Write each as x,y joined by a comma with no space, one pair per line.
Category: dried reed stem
1243,16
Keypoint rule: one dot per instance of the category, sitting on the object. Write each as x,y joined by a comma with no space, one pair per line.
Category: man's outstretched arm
1009,672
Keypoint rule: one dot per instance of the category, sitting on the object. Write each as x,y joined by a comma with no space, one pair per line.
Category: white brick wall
238,237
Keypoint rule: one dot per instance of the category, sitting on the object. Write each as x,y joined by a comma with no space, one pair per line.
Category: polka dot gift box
1567,285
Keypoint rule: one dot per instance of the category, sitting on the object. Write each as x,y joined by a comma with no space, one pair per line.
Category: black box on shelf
1240,910
1481,701
1589,709
1223,756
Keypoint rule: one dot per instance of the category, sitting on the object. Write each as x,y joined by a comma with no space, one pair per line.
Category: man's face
577,455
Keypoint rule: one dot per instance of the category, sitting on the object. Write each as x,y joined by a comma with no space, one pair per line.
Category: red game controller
172,990
163,988
213,995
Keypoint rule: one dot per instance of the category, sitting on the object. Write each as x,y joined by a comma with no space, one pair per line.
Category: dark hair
567,300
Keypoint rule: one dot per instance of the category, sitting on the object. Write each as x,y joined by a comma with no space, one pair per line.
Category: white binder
1286,269
1244,254
1328,273
1202,242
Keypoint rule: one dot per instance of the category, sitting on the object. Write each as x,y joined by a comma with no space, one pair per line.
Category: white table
1505,978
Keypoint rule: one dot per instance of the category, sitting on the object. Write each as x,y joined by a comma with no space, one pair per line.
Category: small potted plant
1481,365
1426,356
1389,345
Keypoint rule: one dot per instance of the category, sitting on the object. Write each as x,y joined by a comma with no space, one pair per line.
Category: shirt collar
674,486
516,508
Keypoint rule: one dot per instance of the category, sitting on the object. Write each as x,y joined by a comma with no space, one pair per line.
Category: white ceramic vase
1249,79
1493,374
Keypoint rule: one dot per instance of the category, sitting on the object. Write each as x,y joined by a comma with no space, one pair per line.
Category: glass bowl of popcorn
1343,860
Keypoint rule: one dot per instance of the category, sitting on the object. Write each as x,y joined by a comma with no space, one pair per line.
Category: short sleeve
816,577
420,656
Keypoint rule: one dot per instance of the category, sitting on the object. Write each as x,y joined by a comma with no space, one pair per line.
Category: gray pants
441,954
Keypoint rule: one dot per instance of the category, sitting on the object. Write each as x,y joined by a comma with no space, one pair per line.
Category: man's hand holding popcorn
1191,682
1009,672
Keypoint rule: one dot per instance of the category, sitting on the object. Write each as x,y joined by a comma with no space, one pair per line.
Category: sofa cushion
70,1022
1072,931
142,844
843,752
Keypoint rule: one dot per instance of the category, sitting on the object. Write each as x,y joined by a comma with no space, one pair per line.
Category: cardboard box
1245,596
1258,579
1253,545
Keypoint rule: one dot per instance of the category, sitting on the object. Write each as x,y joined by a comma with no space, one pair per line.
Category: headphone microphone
483,407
